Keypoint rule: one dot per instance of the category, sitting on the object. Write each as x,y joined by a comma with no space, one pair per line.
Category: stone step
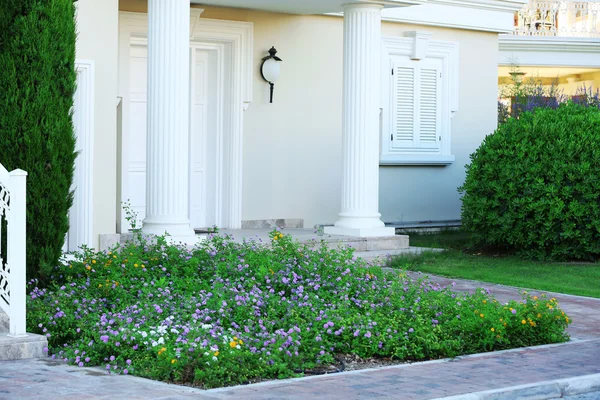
309,236
20,348
360,244
3,322
382,256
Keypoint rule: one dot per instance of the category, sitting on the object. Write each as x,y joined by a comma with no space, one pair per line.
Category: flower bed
227,313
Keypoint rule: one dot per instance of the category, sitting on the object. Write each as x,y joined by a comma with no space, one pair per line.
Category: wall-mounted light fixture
270,69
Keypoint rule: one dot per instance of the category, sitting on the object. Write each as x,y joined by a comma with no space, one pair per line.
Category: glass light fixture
270,69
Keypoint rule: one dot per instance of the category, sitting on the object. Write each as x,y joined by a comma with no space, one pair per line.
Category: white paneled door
203,142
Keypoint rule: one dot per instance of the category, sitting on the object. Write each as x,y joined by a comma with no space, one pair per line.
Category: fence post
16,252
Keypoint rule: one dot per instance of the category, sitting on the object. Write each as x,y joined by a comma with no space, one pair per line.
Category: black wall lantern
270,69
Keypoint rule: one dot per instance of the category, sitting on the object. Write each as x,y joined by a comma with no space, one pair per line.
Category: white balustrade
12,248
559,18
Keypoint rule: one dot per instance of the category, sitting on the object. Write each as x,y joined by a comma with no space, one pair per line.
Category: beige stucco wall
97,27
292,148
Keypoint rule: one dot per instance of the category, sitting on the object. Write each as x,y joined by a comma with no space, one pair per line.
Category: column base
177,232
360,232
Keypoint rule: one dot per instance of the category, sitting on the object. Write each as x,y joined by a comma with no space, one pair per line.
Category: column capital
362,5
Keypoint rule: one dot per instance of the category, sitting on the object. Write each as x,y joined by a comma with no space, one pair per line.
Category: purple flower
368,334
87,359
80,364
411,330
125,372
104,338
513,311
356,332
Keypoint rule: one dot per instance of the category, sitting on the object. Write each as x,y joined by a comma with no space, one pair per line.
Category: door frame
236,40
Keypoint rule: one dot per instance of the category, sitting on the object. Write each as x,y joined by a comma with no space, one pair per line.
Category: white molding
492,5
81,213
549,51
238,38
447,52
417,159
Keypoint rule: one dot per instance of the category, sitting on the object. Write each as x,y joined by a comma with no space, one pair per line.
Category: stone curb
291,381
537,391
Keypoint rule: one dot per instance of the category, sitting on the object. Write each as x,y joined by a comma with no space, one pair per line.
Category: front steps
20,348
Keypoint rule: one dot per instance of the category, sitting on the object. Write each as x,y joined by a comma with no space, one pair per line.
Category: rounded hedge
534,185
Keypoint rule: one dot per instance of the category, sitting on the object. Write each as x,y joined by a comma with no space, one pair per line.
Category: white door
203,99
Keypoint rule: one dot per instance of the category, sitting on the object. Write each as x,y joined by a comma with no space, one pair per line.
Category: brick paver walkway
45,379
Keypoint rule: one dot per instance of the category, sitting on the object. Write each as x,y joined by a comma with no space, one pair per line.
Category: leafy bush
534,185
226,313
37,84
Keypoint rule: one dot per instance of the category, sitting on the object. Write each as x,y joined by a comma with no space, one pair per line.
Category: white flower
206,326
173,330
214,358
144,334
161,340
154,344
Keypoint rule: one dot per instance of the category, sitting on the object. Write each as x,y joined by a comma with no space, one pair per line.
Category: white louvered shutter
429,108
403,124
416,110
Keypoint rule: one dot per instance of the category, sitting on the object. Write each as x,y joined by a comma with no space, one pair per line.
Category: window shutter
416,107
429,108
403,126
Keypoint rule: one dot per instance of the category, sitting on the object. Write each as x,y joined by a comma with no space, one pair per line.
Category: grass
459,262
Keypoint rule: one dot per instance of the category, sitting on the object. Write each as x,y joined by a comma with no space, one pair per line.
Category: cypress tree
37,85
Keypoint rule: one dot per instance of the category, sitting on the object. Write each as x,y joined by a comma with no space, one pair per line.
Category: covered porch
167,199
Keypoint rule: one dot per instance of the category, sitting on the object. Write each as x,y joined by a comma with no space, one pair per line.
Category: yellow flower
539,315
135,265
523,322
88,267
567,319
492,329
232,344
235,338
241,342
173,361
216,354
275,238
535,297
93,261
100,285
109,253
485,301
481,315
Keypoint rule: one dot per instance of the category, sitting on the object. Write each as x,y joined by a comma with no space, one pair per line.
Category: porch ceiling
302,6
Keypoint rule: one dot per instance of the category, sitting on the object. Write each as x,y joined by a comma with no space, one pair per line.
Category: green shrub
229,313
534,185
37,84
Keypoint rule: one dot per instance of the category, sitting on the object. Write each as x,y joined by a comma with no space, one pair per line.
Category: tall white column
360,129
167,173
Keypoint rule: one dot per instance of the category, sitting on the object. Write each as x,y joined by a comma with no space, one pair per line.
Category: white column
360,130
167,174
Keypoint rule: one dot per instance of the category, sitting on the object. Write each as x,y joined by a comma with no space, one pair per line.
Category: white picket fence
12,248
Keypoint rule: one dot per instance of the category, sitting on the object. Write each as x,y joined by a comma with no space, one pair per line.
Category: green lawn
572,278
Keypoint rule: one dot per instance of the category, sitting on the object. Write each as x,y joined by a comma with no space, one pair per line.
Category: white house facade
377,108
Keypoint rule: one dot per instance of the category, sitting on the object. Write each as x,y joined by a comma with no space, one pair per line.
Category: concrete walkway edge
539,391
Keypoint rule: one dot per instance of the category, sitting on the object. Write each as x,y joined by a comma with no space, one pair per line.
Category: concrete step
20,348
3,322
365,244
305,236
382,256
